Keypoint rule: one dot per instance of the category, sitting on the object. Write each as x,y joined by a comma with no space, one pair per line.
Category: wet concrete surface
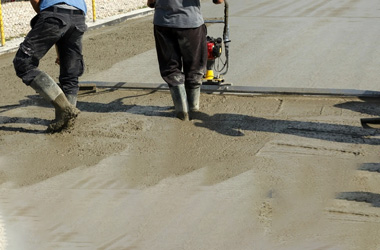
247,172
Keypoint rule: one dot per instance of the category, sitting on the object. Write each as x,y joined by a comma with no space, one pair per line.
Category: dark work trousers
65,28
182,55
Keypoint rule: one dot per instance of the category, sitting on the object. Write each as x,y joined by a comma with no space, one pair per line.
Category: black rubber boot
193,98
65,111
179,97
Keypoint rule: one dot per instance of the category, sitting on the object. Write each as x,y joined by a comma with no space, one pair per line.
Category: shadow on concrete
114,106
369,106
367,197
370,167
119,106
223,123
22,120
360,196
236,125
33,100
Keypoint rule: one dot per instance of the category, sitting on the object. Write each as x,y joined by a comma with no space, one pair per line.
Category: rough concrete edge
120,18
13,44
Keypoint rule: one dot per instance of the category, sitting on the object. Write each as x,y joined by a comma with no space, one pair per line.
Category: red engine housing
210,50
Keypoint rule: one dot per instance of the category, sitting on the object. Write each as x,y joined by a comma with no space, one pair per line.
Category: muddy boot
178,94
193,98
72,98
48,89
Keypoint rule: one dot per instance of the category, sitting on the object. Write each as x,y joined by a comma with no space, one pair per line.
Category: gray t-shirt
178,13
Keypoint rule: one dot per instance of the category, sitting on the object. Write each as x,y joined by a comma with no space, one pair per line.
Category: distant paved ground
291,44
303,43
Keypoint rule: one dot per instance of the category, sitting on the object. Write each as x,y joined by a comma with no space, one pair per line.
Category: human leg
178,94
71,57
45,33
170,63
193,45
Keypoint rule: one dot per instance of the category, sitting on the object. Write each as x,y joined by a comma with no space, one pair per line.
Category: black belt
63,10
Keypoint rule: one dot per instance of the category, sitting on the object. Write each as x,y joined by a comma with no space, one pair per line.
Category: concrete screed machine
217,63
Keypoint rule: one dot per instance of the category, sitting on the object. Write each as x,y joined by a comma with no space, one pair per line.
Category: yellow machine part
209,75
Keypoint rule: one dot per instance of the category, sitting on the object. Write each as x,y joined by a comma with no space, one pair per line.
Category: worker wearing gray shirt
180,35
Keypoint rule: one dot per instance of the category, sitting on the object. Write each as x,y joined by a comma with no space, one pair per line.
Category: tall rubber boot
72,98
48,89
73,101
178,94
193,98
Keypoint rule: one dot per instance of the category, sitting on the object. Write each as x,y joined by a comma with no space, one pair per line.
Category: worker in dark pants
180,35
60,23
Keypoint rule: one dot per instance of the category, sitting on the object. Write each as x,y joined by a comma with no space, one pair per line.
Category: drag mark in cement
249,9
313,8
279,107
287,148
338,136
279,8
344,8
370,216
352,210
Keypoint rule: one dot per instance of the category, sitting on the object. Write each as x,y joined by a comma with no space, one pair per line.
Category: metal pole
2,27
93,11
226,36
